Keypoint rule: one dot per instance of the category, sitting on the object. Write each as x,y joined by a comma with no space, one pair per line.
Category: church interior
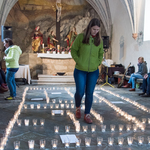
42,116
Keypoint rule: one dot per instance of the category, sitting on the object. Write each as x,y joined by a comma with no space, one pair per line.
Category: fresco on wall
26,15
140,38
121,47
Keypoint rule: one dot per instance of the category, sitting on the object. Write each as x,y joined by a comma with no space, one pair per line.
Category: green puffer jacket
12,58
87,56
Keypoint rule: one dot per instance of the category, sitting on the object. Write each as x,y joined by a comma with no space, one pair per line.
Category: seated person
3,85
142,70
146,86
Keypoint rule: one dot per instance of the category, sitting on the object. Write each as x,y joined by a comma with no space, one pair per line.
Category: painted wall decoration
121,47
140,38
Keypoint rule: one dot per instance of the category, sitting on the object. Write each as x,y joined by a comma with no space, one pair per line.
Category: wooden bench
127,77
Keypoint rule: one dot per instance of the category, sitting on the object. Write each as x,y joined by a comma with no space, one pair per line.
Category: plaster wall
132,49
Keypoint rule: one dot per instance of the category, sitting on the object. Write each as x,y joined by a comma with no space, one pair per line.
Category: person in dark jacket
87,52
3,85
146,86
142,70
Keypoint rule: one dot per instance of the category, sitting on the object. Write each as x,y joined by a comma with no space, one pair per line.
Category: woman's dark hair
9,41
97,39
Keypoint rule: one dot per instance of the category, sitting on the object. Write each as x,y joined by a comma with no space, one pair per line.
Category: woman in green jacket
13,53
87,51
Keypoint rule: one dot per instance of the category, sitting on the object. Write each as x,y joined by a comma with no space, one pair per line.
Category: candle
67,143
77,128
93,128
26,122
19,122
58,47
134,127
148,120
56,106
16,145
56,129
67,128
130,140
95,101
120,141
31,144
60,100
53,100
99,141
52,113
121,127
143,126
67,105
42,121
25,106
85,128
87,141
78,142
32,106
128,127
144,120
62,112
43,45
34,122
38,106
140,140
112,127
103,128
62,105
71,101
45,106
72,106
110,141
54,143
42,143
148,139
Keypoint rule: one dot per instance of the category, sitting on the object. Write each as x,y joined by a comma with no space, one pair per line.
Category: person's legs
148,86
3,75
144,85
134,77
80,81
10,79
90,85
130,80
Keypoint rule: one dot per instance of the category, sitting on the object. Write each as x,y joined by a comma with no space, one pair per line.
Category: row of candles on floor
142,107
85,127
87,142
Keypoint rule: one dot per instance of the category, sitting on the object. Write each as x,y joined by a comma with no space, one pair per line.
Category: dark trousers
2,77
85,82
146,85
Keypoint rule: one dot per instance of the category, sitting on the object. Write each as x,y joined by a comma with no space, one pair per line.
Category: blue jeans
133,78
146,86
10,80
85,82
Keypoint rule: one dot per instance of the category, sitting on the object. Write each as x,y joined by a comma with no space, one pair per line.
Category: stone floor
104,108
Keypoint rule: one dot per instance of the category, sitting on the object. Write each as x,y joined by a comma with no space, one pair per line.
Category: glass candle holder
110,141
54,143
148,120
62,112
140,140
95,101
47,100
34,122
120,141
93,128
67,105
51,106
32,106
52,113
19,122
78,142
56,129
42,143
72,106
83,101
62,106
31,144
103,128
135,127
143,127
26,122
38,106
128,127
77,128
53,101
67,129
112,127
99,141
66,101
56,106
67,143
16,145
71,101
60,101
121,127
42,121
85,128
144,120
148,139
25,106
45,106
87,142
67,112
130,140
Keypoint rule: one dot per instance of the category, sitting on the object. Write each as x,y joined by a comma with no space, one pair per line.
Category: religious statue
58,7
71,37
51,41
37,39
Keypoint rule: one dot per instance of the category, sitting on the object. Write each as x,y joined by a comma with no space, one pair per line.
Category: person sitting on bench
142,70
146,86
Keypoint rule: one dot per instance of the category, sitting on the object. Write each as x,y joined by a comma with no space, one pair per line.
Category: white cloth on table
23,72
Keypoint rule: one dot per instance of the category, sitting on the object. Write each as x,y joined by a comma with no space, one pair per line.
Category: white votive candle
26,122
31,144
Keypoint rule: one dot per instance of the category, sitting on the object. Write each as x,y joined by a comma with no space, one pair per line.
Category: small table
111,70
23,72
